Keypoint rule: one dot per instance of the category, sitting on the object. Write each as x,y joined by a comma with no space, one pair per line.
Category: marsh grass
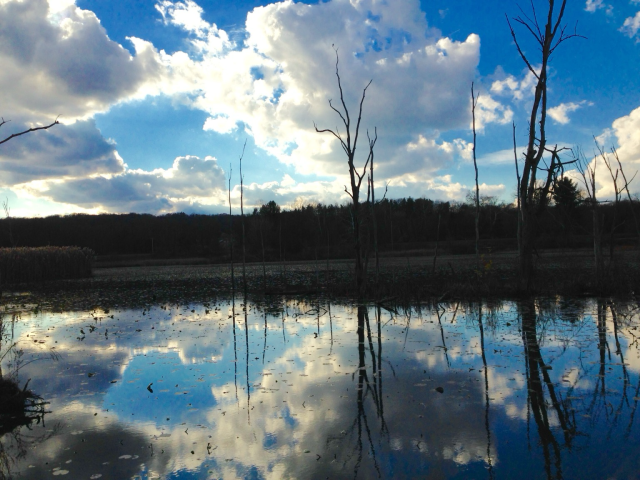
455,278
27,265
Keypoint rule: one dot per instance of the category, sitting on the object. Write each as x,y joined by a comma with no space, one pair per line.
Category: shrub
26,265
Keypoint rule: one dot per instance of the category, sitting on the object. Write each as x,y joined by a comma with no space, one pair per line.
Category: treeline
319,231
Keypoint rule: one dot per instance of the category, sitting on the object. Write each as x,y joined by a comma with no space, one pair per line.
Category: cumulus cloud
61,62
58,59
631,26
517,89
279,82
189,180
624,134
488,110
424,156
188,15
561,112
627,132
77,150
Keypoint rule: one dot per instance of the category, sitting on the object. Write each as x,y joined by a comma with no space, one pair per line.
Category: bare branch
337,135
526,61
56,122
355,140
347,122
339,113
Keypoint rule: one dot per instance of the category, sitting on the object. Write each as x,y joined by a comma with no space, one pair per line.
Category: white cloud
280,83
631,26
488,110
626,132
58,59
190,185
220,124
188,15
518,89
561,112
594,5
189,180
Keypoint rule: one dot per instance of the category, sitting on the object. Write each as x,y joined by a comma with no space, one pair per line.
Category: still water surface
293,389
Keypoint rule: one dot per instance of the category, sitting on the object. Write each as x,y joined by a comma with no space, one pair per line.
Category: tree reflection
20,409
366,388
486,389
537,374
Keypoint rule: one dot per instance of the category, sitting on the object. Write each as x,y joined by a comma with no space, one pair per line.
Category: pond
292,388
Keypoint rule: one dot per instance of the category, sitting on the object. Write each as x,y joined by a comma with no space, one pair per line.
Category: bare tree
626,187
534,196
588,173
349,145
619,186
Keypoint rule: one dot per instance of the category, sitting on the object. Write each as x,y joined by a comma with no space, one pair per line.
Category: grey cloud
67,65
62,151
190,180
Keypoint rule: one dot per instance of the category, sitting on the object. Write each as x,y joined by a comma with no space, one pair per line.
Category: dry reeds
26,265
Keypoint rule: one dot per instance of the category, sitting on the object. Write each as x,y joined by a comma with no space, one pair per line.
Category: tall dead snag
244,251
349,146
588,173
515,157
374,221
534,197
619,186
626,187
233,279
474,103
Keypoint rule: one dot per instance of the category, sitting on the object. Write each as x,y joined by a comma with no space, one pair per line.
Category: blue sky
157,98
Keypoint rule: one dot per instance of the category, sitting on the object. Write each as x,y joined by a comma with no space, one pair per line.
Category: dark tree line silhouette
405,226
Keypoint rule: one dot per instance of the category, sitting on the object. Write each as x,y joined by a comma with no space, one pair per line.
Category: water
294,389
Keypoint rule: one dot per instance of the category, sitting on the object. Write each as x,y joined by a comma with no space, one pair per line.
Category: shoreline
404,279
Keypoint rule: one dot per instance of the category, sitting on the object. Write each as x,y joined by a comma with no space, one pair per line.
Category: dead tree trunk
349,145
532,196
588,173
244,248
515,156
374,221
619,186
626,187
233,279
474,102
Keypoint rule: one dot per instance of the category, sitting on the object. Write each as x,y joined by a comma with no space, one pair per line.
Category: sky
156,99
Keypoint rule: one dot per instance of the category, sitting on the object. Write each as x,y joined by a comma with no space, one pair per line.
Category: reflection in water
537,373
20,408
486,389
154,393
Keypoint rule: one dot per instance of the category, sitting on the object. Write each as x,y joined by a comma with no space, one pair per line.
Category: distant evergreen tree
566,194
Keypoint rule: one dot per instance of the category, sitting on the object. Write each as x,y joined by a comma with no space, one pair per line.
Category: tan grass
26,265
